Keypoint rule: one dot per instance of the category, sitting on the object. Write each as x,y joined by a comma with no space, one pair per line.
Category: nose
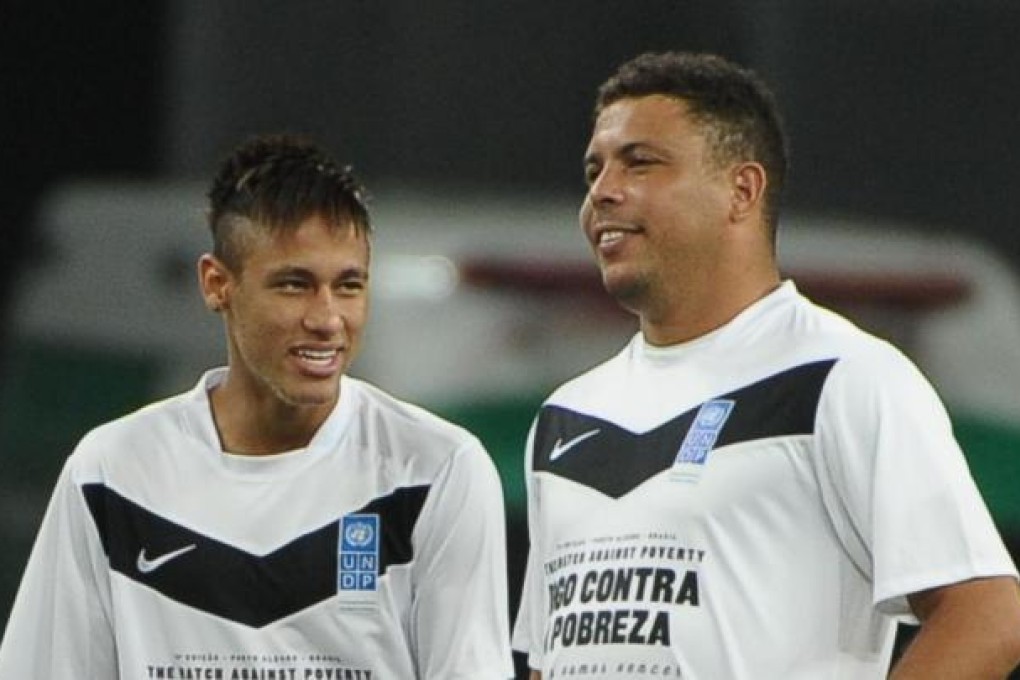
323,315
607,187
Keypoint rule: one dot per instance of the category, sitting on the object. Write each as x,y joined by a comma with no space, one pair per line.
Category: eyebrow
304,272
289,270
356,271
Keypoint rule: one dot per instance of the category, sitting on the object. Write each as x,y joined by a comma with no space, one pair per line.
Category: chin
304,395
627,290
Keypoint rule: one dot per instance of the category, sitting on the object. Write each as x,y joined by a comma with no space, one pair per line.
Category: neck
700,309
263,426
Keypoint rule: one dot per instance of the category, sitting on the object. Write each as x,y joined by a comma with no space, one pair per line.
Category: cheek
261,324
356,316
584,214
690,208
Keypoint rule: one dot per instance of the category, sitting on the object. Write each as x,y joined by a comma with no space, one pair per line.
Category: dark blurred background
903,110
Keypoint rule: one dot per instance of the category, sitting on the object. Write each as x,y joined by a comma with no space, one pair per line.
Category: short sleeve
529,626
460,620
60,626
896,483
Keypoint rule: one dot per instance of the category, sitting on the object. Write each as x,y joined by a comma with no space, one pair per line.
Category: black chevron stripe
616,460
234,584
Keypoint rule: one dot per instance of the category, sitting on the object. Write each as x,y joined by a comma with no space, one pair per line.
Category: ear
749,182
214,280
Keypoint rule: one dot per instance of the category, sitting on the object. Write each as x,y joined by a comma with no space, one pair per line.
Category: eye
640,161
291,285
351,286
591,173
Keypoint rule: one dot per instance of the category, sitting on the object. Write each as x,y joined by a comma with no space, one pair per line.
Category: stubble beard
300,396
630,292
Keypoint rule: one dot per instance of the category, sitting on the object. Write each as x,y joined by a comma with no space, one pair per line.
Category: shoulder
870,376
400,430
816,331
866,362
128,435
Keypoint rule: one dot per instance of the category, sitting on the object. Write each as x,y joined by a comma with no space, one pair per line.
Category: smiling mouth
611,236
318,359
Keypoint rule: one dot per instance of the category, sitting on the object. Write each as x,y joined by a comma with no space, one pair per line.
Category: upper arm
982,599
969,629
460,613
531,616
896,484
60,624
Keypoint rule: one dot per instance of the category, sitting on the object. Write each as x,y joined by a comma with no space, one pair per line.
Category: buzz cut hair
734,107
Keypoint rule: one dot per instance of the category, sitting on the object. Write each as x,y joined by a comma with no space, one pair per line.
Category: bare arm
535,675
969,631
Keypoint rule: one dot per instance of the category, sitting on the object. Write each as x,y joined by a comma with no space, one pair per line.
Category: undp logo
358,558
359,534
704,432
713,413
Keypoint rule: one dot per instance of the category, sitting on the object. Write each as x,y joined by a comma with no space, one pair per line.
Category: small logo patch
559,448
358,563
703,434
147,566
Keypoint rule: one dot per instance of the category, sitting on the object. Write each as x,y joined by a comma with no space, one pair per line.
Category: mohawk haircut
277,182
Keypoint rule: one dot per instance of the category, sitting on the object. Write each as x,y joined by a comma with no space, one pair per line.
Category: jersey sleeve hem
891,599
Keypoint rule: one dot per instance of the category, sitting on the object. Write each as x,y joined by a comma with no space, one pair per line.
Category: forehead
654,119
315,241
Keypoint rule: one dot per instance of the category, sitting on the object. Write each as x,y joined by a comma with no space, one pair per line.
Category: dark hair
279,181
736,109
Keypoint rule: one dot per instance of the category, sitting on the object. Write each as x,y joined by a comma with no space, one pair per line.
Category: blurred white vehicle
481,305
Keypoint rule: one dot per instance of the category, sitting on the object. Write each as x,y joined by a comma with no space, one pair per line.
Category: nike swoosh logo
146,565
559,448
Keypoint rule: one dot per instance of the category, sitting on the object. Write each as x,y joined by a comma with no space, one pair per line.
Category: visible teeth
323,355
610,236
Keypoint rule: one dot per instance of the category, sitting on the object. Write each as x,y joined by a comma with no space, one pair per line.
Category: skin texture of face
666,220
294,316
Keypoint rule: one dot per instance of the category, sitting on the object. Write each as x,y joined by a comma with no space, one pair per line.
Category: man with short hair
753,487
281,520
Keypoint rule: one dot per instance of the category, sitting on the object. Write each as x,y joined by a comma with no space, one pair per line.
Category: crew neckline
200,421
784,292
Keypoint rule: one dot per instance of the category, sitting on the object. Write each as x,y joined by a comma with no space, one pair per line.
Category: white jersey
376,553
755,503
